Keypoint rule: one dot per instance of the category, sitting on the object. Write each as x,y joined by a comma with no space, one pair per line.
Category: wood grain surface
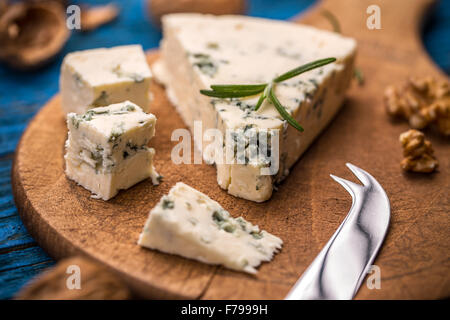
306,210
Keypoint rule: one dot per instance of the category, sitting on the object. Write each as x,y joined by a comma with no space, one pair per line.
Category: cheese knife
341,266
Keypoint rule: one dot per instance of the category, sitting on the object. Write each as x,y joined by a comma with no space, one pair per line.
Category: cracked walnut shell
422,101
31,33
96,282
418,152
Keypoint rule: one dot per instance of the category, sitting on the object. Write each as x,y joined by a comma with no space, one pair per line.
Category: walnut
422,101
418,152
32,33
158,8
96,283
94,17
3,6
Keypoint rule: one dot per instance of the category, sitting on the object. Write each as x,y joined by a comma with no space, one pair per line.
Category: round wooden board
305,211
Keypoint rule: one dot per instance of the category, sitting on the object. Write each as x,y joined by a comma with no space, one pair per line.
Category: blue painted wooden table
22,94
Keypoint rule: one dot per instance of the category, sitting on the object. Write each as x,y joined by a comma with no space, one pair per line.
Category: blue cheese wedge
100,77
188,223
198,51
106,148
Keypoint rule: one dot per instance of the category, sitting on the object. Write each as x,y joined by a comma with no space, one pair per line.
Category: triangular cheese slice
188,223
198,51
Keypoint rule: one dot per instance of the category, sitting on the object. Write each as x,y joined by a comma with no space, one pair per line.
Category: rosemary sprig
333,20
357,73
247,90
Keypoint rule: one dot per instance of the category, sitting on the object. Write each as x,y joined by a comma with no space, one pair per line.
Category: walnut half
96,282
32,33
421,101
418,152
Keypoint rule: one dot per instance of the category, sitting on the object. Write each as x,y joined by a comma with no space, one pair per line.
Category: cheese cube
198,51
106,149
100,77
188,223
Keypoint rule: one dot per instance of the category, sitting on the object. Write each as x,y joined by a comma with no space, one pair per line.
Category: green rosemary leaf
263,96
238,87
286,116
358,74
333,20
229,94
306,67
260,101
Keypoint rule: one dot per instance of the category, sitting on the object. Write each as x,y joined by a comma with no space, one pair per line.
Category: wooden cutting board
306,210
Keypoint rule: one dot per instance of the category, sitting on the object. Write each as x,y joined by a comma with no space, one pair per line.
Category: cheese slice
106,148
198,51
188,223
100,77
